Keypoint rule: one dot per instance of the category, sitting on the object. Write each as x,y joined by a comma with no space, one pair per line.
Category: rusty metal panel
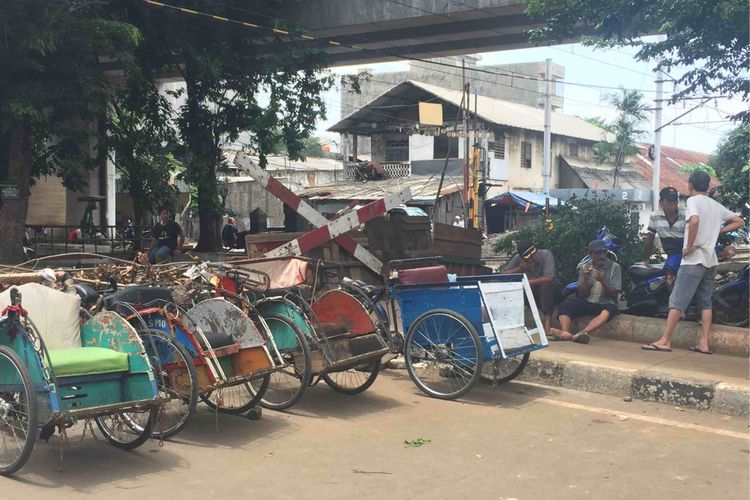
343,309
218,315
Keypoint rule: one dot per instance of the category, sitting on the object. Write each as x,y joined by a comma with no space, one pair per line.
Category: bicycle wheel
287,385
443,354
18,412
508,369
176,379
128,430
354,380
237,399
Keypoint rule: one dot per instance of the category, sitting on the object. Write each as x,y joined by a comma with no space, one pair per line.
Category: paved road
518,441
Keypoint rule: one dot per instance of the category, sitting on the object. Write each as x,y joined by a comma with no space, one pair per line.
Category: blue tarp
522,198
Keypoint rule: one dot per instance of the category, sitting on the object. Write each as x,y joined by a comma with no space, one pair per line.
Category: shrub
576,223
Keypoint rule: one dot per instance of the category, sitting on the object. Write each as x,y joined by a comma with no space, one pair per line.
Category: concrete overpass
416,28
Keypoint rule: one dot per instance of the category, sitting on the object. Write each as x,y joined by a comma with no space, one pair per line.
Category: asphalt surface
516,441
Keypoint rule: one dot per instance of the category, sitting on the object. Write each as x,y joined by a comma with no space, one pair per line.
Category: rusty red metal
341,308
672,160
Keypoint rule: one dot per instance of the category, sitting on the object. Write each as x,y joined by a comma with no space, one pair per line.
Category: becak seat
145,295
423,275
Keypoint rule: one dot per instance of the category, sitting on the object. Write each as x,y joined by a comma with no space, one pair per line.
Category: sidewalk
717,382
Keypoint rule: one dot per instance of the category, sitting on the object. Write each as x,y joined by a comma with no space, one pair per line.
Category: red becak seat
423,275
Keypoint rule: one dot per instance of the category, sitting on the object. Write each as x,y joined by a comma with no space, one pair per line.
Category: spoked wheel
128,430
354,380
176,379
508,369
237,399
443,354
18,412
287,385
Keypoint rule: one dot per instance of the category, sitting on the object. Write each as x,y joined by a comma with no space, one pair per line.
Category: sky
699,130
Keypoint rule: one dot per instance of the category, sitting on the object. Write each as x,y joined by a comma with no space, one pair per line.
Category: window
525,154
445,147
497,147
397,149
574,149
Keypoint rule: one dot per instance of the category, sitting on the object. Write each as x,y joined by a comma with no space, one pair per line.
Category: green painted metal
110,330
288,310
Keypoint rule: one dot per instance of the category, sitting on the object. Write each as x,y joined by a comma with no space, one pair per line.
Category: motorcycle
649,295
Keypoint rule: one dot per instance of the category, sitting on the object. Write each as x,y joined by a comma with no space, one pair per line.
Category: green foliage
708,37
52,83
573,227
140,139
239,84
626,129
697,167
731,162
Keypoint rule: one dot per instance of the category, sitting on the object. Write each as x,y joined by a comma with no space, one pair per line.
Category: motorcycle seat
640,273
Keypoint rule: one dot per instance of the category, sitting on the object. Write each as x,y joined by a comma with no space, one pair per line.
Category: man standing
539,268
229,234
695,278
599,285
165,233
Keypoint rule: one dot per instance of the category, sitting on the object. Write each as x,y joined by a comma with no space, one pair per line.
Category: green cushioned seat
87,361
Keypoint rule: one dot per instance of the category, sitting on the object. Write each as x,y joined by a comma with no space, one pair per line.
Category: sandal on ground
655,347
697,349
581,338
556,335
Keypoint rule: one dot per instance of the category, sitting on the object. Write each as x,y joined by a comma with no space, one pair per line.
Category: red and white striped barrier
326,230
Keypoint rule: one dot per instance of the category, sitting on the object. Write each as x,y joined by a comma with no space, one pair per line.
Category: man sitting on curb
539,267
599,286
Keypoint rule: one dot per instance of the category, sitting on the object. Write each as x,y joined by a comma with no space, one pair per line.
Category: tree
139,140
731,162
709,37
237,81
625,129
697,167
52,90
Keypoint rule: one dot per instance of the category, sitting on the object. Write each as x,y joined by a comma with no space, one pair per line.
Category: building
498,82
511,133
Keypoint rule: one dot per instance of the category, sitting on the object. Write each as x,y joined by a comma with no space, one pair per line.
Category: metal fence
107,240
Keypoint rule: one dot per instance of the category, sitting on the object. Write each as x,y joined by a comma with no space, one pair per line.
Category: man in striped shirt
669,223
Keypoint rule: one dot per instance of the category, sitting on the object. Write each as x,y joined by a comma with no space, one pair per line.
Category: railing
392,170
107,240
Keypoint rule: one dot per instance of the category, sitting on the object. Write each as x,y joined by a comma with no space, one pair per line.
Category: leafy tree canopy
731,162
710,38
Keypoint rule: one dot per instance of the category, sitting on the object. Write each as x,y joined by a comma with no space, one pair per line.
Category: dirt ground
517,441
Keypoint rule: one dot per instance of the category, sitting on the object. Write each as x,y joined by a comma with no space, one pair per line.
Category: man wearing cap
599,285
668,222
539,267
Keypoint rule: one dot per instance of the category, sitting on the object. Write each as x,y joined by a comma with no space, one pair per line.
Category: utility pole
546,172
464,87
656,162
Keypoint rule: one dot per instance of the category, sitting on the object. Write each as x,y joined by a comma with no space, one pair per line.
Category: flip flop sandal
656,348
699,351
582,338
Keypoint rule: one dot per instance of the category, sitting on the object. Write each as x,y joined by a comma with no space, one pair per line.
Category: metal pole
466,141
547,127
656,162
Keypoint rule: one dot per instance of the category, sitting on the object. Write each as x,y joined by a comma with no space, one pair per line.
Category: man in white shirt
695,278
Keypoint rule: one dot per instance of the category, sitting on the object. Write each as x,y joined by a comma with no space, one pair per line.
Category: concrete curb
639,384
646,385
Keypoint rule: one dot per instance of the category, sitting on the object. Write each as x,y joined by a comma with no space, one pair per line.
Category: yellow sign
430,113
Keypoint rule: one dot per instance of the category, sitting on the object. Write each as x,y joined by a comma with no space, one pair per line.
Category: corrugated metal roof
422,189
672,160
601,176
492,110
280,163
